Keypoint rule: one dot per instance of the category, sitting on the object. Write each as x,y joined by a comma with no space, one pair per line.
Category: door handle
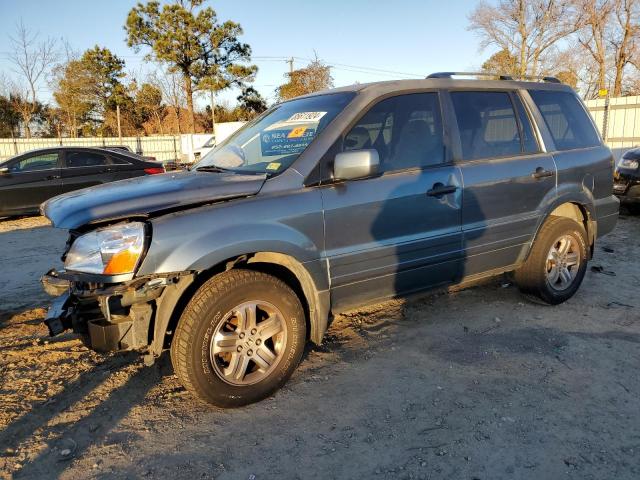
542,173
52,177
439,190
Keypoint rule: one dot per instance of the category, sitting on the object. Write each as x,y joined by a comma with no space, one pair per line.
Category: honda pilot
328,202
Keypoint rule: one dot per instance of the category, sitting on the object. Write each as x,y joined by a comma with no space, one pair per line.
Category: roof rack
500,76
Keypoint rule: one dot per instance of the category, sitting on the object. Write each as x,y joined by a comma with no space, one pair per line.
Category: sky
364,41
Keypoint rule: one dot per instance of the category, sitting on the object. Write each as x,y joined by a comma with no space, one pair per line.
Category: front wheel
240,338
557,262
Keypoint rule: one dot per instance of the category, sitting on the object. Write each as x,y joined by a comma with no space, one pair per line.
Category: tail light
154,170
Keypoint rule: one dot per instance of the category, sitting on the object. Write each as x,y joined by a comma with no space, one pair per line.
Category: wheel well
249,262
287,276
580,214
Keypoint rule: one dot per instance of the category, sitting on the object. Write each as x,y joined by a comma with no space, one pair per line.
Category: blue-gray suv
328,202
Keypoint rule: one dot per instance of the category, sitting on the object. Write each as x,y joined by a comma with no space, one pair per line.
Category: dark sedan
29,179
627,179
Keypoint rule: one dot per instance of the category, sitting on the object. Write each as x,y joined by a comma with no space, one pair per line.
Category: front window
272,142
43,161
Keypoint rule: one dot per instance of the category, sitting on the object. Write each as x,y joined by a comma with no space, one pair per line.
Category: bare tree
171,86
527,29
32,60
624,39
596,22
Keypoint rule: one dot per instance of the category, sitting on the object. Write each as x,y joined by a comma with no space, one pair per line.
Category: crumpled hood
142,196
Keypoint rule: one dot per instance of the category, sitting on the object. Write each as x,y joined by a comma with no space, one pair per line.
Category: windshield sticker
279,142
297,132
306,117
273,166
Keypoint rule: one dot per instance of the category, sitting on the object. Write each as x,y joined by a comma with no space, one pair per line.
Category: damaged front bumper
131,315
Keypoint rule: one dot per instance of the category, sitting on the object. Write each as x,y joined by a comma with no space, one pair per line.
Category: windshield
272,142
210,143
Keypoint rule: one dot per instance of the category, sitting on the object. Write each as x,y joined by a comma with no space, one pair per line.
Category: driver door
398,232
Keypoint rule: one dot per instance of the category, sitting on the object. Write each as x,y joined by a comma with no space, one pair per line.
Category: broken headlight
114,250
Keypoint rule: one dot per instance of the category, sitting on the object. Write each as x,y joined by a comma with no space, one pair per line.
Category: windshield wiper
212,168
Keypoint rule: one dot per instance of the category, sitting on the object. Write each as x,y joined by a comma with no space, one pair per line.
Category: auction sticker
305,117
285,142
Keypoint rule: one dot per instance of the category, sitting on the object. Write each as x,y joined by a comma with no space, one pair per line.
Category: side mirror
4,171
356,164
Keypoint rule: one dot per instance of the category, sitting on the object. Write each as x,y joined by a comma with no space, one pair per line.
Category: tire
537,278
217,351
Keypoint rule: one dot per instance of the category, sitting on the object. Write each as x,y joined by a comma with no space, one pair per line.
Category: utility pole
213,112
119,128
290,62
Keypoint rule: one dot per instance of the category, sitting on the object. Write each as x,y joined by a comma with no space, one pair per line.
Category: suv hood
143,196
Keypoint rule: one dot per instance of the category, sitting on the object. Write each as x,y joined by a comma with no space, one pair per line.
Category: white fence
163,147
622,119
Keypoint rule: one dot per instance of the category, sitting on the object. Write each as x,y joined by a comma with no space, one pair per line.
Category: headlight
113,250
628,163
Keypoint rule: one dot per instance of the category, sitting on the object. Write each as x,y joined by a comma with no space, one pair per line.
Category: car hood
146,195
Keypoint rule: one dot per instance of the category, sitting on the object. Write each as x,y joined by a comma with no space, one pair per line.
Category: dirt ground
478,384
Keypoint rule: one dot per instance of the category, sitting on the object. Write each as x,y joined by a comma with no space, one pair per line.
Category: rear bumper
607,210
111,317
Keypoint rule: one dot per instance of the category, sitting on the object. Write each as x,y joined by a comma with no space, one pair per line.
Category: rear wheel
239,339
557,262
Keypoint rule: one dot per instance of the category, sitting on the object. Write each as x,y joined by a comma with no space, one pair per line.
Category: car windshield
272,142
210,143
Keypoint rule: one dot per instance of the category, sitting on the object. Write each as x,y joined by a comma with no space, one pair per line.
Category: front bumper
626,186
110,317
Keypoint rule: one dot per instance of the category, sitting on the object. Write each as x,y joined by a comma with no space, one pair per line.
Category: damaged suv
328,202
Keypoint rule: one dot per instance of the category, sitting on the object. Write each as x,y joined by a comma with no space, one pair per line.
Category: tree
192,42
251,103
597,17
501,62
106,72
172,93
9,118
149,104
314,77
625,39
527,29
89,88
32,59
74,94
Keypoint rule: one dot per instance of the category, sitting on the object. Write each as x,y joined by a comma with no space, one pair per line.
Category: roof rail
500,76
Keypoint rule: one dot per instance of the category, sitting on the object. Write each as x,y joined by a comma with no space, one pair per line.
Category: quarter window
405,130
567,120
44,161
487,124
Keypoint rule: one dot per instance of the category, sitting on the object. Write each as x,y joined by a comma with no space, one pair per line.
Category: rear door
84,168
585,165
32,178
398,232
507,178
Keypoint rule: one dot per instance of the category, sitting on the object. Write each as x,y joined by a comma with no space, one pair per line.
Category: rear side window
405,130
567,121
84,159
115,160
487,124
